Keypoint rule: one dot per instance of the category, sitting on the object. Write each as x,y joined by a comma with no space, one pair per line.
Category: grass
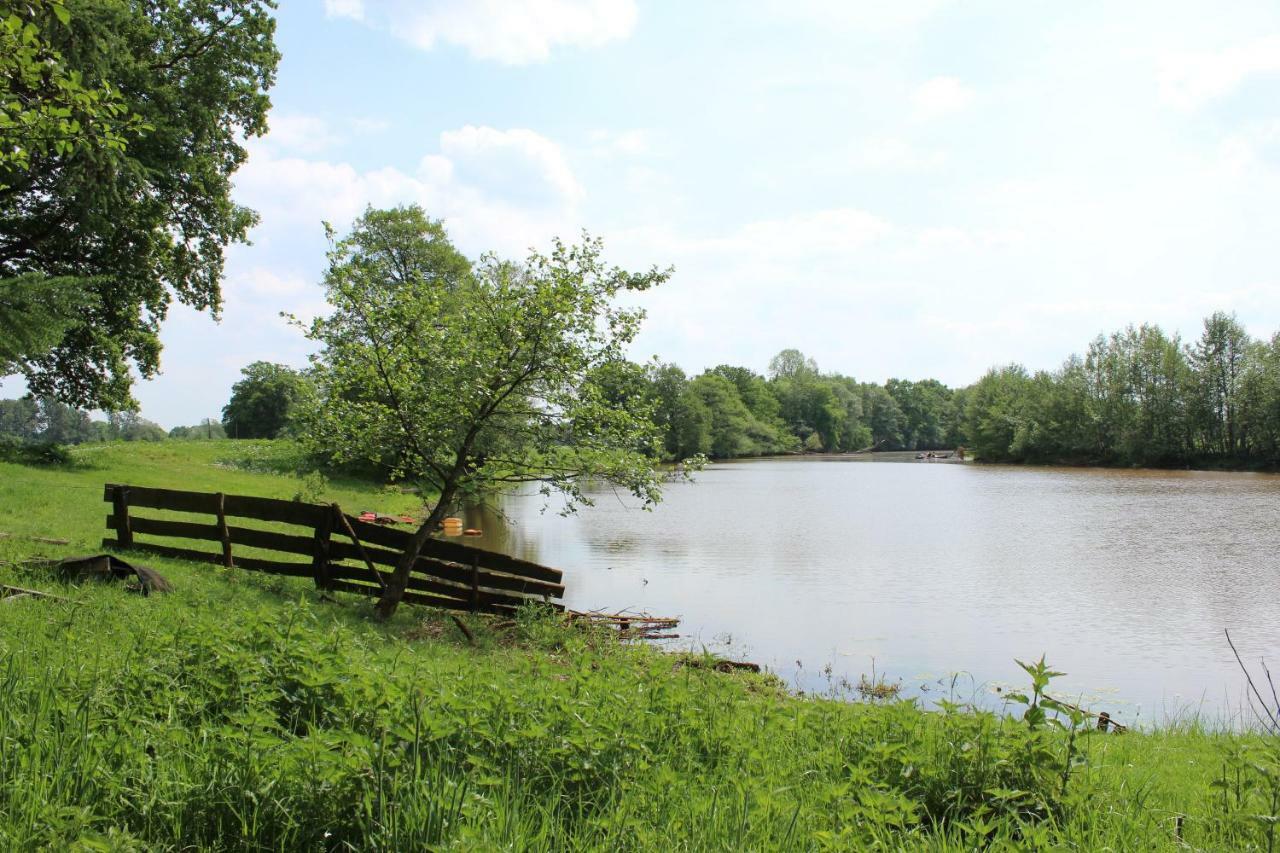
244,712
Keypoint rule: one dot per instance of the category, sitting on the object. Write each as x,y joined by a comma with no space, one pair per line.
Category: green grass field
244,712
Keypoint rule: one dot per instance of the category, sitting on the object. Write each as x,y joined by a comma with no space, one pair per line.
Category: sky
913,189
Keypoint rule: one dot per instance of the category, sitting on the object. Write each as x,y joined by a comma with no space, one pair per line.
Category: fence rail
342,552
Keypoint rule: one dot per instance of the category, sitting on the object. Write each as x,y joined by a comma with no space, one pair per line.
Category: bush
21,452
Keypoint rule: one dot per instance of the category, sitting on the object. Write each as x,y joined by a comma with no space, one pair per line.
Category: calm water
1124,579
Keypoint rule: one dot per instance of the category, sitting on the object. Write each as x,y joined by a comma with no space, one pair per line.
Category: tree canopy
124,204
463,378
262,402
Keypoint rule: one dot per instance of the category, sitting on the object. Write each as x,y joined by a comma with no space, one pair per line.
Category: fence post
475,582
320,559
223,532
120,503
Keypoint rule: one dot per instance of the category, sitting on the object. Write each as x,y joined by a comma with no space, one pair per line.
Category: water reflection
1125,579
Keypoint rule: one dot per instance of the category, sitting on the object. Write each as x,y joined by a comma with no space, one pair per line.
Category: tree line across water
1137,397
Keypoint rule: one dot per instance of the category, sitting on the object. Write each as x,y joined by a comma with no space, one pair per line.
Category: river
939,575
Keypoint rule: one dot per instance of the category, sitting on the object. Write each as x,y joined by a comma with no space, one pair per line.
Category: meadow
249,712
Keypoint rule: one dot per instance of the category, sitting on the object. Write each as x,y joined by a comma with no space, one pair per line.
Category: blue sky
898,189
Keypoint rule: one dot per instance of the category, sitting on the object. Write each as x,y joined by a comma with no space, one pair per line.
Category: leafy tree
926,410
130,426
791,363
883,417
128,223
995,413
20,419
666,387
463,380
62,424
262,402
1219,359
45,106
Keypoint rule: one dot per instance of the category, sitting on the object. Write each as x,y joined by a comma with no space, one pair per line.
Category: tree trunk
399,580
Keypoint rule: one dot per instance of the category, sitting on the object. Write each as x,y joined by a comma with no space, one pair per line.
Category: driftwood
630,626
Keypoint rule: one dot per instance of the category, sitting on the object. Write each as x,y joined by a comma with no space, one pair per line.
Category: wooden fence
340,552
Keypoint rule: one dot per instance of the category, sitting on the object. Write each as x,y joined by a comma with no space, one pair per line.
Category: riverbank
247,707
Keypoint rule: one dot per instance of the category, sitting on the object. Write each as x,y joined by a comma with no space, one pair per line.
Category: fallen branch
11,593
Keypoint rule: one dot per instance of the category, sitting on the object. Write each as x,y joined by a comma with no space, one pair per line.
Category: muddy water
941,574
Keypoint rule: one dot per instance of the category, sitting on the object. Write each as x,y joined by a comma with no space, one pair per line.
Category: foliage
136,213
208,429
732,411
1138,397
262,402
463,379
44,420
45,106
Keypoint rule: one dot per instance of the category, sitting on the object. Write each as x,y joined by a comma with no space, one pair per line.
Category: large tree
114,225
262,402
463,379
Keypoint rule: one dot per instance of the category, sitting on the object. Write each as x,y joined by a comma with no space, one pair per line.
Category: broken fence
339,551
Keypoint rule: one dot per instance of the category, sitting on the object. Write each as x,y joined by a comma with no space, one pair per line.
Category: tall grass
166,723
244,712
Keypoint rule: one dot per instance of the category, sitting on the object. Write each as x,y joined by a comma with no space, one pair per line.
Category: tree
124,226
462,380
130,426
19,419
791,363
1219,360
261,402
45,106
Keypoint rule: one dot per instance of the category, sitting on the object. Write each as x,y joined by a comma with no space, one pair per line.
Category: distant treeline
48,421
732,411
1137,397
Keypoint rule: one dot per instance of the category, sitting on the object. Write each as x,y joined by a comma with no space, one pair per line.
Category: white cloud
308,134
513,32
353,9
1189,79
301,133
501,190
860,15
514,162
941,96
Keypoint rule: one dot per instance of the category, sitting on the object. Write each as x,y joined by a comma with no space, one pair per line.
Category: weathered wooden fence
339,551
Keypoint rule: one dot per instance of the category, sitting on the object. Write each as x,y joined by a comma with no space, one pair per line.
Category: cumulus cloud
518,163
1190,79
941,96
497,189
513,32
297,133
